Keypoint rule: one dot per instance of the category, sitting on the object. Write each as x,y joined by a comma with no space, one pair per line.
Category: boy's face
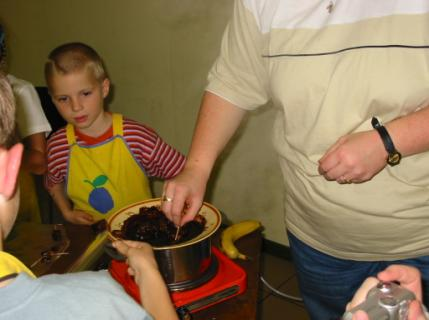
79,98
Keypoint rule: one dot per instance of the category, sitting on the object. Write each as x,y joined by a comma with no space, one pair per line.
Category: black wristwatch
393,155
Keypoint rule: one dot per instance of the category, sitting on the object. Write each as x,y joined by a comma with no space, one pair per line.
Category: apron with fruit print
105,177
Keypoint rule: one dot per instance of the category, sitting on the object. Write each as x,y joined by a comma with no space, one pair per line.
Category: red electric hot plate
229,280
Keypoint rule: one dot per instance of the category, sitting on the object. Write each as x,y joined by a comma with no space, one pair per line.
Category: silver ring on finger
166,199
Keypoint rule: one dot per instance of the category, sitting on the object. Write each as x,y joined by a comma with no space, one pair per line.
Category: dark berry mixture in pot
152,226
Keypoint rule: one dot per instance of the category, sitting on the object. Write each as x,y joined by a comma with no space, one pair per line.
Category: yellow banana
234,232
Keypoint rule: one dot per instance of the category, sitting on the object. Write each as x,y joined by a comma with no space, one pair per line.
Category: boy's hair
7,113
73,57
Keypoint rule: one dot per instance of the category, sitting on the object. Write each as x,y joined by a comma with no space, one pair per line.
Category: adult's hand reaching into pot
183,196
218,119
153,291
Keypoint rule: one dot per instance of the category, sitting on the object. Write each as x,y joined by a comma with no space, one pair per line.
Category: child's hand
142,265
140,257
79,217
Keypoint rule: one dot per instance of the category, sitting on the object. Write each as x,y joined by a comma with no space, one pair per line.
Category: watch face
394,158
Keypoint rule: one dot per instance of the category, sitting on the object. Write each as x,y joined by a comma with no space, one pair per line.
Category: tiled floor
280,274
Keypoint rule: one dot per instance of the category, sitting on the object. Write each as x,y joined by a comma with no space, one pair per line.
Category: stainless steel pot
186,265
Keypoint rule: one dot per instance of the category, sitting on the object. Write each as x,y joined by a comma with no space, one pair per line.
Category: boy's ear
10,162
105,87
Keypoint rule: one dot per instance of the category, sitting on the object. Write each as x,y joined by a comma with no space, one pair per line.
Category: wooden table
80,239
243,306
32,239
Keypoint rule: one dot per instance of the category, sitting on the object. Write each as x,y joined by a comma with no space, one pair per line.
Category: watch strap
394,156
385,137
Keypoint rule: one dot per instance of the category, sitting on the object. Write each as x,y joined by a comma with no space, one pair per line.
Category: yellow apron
105,177
9,265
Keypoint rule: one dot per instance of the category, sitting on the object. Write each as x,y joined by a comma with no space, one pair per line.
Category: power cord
282,294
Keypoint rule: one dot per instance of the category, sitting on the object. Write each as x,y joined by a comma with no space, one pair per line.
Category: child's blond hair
74,57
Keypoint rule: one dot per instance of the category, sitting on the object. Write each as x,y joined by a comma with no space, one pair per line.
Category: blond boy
100,161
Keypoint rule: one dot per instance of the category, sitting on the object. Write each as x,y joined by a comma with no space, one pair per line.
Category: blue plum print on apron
99,198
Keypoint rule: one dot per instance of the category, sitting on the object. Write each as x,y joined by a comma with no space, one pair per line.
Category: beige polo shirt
328,72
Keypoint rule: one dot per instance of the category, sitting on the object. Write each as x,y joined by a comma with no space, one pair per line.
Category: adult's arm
410,133
32,125
35,153
217,121
360,156
238,81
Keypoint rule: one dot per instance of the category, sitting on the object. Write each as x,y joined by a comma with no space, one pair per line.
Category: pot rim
211,213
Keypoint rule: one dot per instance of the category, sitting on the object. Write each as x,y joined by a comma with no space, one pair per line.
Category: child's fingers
131,271
128,244
137,244
84,218
87,217
132,249
86,221
122,247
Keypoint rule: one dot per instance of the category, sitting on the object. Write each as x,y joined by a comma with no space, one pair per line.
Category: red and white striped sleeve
158,158
57,154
